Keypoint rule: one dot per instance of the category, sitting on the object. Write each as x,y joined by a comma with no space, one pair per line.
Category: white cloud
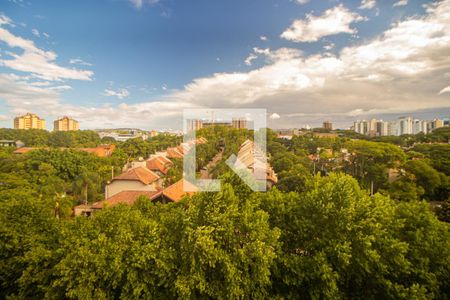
79,62
367,4
60,88
400,3
139,3
3,118
4,20
279,54
274,116
40,83
445,90
301,2
35,32
120,93
391,73
39,62
329,46
46,35
250,58
22,97
263,38
333,21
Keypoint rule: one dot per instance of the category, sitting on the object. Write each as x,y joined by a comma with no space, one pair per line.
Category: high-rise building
65,124
405,125
382,128
328,125
420,126
393,128
194,125
361,127
239,123
29,121
436,123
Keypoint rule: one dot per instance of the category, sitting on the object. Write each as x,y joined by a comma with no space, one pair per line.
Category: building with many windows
65,124
403,125
29,121
328,125
196,124
239,123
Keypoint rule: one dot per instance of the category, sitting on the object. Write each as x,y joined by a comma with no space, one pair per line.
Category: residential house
136,179
124,197
178,190
11,143
254,159
159,164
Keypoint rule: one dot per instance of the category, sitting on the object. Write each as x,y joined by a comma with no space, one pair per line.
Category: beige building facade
29,121
66,124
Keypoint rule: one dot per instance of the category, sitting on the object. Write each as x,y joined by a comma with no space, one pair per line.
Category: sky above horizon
139,63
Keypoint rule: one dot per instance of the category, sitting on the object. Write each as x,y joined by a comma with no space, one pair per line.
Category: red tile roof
158,164
177,190
125,197
141,174
24,150
174,153
165,159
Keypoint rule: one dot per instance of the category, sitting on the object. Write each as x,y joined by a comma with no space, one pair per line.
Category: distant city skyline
129,63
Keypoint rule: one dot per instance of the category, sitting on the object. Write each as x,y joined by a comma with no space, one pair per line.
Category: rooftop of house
174,152
125,197
24,150
159,163
141,174
176,191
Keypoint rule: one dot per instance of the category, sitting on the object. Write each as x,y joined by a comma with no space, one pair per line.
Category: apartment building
65,124
29,121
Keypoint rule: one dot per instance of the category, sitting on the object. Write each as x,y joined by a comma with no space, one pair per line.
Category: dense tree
439,155
426,177
310,237
340,243
370,161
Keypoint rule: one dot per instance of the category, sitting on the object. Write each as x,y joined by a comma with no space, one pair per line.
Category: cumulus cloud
274,116
60,87
79,62
39,62
445,90
22,96
251,57
263,38
4,20
35,32
139,3
120,93
400,3
367,4
329,46
398,69
391,73
312,28
301,2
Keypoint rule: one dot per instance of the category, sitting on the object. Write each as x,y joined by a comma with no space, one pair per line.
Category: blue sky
139,63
